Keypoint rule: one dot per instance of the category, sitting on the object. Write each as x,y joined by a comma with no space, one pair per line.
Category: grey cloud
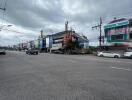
50,15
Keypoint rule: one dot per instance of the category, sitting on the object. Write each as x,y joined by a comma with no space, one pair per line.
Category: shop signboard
58,40
56,46
41,43
36,43
49,41
116,24
117,31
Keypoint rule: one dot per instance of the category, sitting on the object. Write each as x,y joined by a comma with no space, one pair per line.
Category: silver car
108,54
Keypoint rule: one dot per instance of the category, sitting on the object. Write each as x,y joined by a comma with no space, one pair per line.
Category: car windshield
65,49
107,52
129,50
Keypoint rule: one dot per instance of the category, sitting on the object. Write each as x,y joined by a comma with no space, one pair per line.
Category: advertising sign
116,31
116,24
49,41
56,46
36,43
58,40
41,43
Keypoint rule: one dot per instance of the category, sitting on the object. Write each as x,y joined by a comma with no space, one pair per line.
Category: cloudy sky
28,17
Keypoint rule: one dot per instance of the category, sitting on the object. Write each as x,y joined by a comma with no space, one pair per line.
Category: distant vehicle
2,52
32,52
128,54
108,54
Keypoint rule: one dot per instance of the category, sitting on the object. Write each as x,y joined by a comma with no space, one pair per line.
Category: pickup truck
2,52
32,52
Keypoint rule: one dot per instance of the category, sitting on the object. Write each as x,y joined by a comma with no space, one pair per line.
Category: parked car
2,52
108,54
128,54
32,52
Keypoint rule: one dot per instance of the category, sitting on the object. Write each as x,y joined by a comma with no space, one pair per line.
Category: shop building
118,34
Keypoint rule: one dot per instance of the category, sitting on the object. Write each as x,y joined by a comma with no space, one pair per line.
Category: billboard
56,46
112,25
49,41
116,31
41,43
36,43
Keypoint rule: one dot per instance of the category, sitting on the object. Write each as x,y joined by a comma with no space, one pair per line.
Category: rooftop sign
116,24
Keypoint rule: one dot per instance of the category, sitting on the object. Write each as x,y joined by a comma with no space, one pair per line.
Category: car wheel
101,55
131,56
116,56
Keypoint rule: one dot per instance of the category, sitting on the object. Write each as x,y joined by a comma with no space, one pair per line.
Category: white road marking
121,68
72,61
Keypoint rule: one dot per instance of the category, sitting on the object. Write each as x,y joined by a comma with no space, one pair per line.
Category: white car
108,54
128,54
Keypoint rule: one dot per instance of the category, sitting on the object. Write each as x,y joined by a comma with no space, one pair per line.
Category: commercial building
59,40
118,34
21,46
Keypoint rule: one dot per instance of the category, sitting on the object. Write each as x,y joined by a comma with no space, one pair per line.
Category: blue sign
41,43
50,41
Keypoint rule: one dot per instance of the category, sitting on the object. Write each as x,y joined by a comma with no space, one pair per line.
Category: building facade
118,34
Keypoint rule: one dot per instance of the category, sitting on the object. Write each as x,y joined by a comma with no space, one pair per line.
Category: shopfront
117,33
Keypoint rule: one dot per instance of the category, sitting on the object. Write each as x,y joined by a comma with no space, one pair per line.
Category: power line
12,30
1,3
4,11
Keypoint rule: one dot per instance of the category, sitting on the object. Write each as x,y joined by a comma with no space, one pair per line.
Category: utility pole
100,29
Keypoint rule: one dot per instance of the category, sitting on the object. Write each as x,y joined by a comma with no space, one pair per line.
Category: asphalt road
64,77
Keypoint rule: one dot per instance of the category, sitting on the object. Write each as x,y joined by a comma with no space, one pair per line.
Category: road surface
64,77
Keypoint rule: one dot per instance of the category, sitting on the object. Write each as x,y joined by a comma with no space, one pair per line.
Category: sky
28,17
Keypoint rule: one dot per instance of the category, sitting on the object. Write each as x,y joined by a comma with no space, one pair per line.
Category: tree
72,45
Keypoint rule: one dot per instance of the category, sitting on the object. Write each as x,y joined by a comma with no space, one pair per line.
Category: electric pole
100,29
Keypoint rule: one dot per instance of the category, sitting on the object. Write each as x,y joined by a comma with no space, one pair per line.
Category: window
131,35
117,37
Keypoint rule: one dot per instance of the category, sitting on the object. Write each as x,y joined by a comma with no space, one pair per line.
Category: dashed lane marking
120,68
